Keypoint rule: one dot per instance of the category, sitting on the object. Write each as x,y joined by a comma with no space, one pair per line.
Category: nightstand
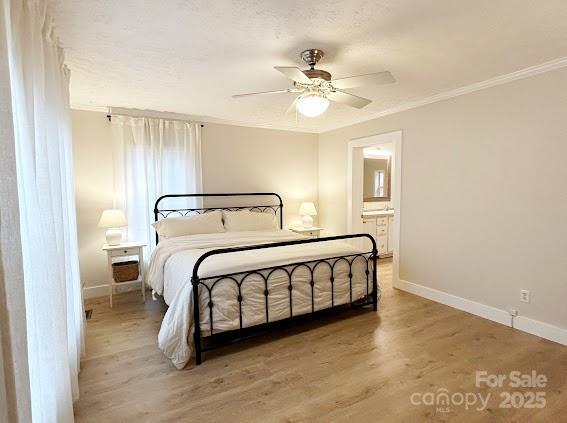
127,249
313,232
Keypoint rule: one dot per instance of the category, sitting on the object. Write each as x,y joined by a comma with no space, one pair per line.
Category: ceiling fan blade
377,78
348,99
287,90
294,73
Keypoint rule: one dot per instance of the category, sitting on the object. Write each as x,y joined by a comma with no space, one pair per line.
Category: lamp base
113,236
307,222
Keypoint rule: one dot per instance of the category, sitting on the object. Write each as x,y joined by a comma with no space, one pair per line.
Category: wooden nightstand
313,232
127,249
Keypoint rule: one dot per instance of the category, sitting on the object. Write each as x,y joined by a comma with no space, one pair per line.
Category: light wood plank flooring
359,366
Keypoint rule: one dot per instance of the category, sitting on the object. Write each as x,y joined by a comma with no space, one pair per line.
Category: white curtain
153,157
54,312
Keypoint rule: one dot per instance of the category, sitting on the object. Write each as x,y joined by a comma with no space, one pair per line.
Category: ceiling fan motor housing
312,56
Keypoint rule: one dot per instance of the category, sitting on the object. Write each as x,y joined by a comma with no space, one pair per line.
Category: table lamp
306,210
113,220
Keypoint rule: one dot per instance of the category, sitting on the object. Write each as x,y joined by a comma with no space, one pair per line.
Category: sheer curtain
40,106
153,157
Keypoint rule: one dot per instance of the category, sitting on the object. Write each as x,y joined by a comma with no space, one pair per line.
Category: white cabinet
369,227
382,245
391,235
381,221
126,249
382,230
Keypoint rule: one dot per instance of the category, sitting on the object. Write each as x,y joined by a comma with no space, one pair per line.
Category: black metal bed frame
218,339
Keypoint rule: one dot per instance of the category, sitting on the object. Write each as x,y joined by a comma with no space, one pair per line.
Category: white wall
484,203
238,158
235,158
483,199
92,161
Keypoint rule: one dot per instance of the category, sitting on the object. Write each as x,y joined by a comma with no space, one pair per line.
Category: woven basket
125,271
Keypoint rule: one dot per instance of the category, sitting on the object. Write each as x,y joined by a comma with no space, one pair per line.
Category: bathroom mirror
377,179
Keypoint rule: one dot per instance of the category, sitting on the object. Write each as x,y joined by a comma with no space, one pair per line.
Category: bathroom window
379,183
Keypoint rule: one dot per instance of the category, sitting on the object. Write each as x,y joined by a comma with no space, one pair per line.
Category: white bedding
171,266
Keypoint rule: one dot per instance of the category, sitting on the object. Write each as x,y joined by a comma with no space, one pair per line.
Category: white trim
478,309
96,291
467,89
549,66
353,210
525,324
191,118
89,108
104,290
541,329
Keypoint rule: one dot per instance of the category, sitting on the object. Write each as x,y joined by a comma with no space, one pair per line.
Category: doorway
355,188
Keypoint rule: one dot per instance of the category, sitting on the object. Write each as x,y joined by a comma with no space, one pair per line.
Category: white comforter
171,266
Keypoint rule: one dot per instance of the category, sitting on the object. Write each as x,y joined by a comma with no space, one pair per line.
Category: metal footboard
238,278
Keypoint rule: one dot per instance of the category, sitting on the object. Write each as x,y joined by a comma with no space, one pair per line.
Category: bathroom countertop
377,213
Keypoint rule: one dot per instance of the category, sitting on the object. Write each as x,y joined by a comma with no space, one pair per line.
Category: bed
231,284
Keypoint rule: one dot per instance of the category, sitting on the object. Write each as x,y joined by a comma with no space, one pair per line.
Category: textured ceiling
191,56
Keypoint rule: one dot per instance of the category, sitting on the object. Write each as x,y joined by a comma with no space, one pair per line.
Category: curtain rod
109,117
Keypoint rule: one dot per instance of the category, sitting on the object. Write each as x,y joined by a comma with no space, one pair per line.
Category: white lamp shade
311,104
112,219
307,209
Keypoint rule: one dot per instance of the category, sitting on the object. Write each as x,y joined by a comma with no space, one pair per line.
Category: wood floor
359,367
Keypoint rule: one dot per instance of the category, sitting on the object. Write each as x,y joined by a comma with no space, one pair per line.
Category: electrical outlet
524,296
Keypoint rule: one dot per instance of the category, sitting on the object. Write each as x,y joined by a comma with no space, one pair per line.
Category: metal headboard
165,213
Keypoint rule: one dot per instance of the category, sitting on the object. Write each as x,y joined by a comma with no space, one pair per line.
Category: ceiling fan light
312,104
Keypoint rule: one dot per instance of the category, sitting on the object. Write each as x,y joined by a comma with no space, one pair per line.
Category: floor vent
89,313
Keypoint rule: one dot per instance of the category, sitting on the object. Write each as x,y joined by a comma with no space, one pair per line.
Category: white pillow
246,220
206,223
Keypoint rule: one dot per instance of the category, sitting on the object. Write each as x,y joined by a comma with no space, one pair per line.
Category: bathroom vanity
380,224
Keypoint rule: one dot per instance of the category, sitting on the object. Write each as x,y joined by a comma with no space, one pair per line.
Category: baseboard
96,291
541,329
478,309
525,324
104,290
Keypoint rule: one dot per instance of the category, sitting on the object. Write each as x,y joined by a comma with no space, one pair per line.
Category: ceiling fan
316,87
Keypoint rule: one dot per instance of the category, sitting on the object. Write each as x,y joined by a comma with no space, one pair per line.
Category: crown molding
89,108
192,118
477,86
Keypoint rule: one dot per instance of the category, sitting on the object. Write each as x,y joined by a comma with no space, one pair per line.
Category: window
379,183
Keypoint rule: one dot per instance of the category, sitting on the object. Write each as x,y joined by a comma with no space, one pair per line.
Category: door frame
355,193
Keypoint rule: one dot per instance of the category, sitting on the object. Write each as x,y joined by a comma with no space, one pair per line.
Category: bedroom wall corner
239,158
94,185
234,159
469,228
